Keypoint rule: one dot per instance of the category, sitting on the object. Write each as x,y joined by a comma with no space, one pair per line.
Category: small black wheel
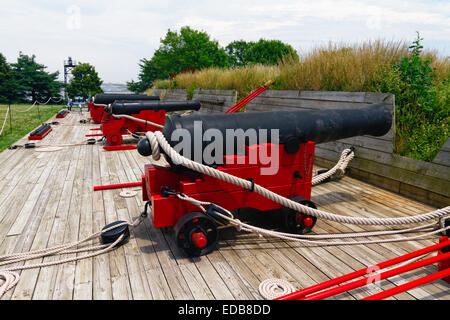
196,234
297,222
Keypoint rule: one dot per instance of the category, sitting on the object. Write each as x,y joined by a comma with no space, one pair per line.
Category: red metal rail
311,292
410,285
249,98
381,276
119,186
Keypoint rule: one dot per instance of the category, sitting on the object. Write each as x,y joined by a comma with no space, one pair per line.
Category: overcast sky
114,35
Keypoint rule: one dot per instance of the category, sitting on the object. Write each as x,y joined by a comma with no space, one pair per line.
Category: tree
238,52
85,82
189,49
34,83
268,52
146,76
8,83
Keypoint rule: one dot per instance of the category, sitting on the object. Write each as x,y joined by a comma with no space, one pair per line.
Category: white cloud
114,35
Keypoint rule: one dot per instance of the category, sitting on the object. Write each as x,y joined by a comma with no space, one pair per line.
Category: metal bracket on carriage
166,192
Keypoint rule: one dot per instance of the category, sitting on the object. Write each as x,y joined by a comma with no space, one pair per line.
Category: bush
422,115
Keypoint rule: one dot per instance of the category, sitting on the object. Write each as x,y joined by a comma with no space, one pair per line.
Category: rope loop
271,289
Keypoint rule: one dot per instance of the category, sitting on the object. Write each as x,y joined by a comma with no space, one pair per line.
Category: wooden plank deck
47,198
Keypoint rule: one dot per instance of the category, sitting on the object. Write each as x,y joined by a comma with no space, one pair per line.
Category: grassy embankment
422,110
23,122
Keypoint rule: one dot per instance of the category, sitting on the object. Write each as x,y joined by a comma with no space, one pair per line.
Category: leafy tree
146,76
180,51
8,83
238,52
85,82
268,52
34,83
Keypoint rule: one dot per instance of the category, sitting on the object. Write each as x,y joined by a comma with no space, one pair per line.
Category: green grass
23,123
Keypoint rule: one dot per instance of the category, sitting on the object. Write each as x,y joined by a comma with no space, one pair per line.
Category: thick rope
4,121
22,111
157,141
338,170
56,147
241,226
10,277
37,102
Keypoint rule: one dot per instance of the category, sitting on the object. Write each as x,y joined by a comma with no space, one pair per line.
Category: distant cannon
128,117
100,101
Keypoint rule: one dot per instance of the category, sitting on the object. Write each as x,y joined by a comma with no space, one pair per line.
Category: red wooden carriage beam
410,285
118,186
119,148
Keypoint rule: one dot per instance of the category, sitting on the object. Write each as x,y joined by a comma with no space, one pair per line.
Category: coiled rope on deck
271,289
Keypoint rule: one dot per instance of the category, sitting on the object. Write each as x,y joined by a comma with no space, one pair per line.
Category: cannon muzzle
108,98
294,127
134,107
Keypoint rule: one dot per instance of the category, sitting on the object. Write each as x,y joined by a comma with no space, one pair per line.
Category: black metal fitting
211,211
166,192
113,235
445,222
298,175
252,189
144,214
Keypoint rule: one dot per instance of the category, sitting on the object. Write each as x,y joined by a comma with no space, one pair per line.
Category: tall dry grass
244,79
333,67
341,67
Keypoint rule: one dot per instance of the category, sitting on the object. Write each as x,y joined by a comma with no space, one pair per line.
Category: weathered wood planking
47,199
215,101
171,95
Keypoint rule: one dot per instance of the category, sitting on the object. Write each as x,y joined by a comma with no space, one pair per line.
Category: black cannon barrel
134,107
108,98
294,127
41,130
